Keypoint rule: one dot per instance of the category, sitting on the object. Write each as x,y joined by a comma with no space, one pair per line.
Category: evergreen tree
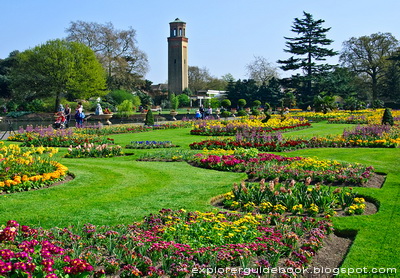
387,118
149,118
308,48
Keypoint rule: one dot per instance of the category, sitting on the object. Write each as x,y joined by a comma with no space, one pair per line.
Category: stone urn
103,117
173,113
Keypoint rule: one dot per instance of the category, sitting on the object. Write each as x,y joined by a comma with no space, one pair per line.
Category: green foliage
57,68
377,103
187,92
145,99
16,114
120,95
36,105
183,100
11,106
125,108
367,56
387,118
174,101
352,103
225,114
242,103
242,113
256,103
255,112
226,103
136,101
324,103
215,103
124,62
149,118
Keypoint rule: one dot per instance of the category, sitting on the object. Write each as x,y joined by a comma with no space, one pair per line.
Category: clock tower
177,57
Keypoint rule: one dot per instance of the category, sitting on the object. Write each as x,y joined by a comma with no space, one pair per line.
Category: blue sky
224,36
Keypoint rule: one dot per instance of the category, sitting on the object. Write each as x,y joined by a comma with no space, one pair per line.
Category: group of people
201,113
63,116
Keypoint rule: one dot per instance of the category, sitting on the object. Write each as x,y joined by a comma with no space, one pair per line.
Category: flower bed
150,145
367,116
292,197
270,166
94,150
99,129
167,155
253,124
372,136
363,117
47,136
27,253
168,244
28,168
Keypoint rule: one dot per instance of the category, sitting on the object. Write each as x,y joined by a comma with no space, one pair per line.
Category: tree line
97,60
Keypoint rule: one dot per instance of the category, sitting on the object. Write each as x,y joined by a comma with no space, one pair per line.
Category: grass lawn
122,190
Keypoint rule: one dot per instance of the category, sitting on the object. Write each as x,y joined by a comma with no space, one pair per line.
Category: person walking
79,116
67,113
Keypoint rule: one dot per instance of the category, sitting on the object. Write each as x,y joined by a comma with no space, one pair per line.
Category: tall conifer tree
308,48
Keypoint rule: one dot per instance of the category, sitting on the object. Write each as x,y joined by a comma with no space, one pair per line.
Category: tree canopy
367,56
57,68
117,50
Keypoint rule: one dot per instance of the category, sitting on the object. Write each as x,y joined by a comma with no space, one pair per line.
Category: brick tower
177,57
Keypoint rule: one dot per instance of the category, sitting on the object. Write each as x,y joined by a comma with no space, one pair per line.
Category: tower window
174,34
180,32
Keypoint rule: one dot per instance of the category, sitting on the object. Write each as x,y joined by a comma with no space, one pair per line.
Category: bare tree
261,70
117,51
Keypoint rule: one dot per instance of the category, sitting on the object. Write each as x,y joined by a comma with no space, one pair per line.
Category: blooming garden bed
372,136
49,137
252,124
168,244
270,166
28,168
150,145
296,198
94,150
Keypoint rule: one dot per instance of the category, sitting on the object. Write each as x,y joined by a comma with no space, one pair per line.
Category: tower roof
177,20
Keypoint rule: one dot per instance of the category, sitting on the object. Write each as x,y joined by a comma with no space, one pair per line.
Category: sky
224,35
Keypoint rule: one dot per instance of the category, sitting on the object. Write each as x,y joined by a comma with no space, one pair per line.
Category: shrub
149,118
242,103
242,113
36,105
225,114
387,118
255,112
125,108
226,103
256,103
119,96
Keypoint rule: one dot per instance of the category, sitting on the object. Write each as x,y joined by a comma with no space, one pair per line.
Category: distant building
178,70
202,95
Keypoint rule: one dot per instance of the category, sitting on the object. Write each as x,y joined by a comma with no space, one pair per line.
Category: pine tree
308,48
